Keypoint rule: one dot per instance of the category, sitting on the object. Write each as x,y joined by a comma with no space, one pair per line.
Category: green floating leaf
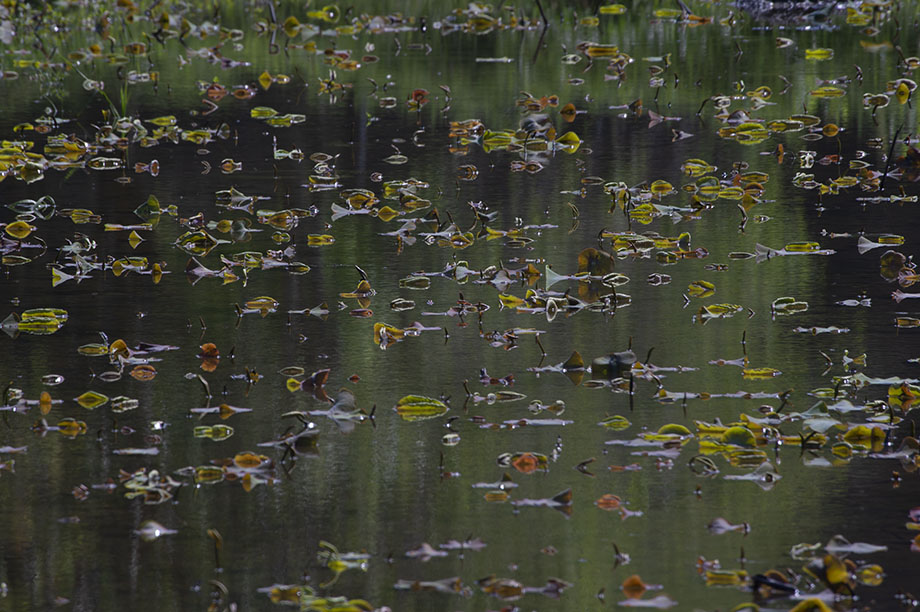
739,436
420,408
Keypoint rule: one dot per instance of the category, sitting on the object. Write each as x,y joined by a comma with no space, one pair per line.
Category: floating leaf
420,408
701,289
760,373
143,372
616,423
92,399
19,229
608,502
216,433
695,168
819,54
317,240
739,436
788,306
828,91
612,9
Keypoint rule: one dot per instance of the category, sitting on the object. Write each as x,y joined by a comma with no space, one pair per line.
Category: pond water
376,102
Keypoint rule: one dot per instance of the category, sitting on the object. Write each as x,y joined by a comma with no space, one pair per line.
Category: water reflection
448,117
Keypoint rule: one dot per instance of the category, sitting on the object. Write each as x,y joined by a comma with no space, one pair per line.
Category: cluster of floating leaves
838,427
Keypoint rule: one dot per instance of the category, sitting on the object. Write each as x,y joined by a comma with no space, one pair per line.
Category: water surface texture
458,307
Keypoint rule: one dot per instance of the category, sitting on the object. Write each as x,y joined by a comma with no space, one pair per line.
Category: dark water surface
385,488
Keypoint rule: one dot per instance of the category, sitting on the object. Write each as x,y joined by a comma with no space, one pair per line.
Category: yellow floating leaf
316,240
739,436
802,247
594,50
291,27
44,402
134,239
731,193
385,335
661,188
216,433
726,577
249,460
760,373
674,429
612,9
700,289
616,423
263,304
870,575
568,142
695,168
19,229
863,435
720,310
387,214
71,427
94,350
120,348
902,92
819,54
164,121
836,571
92,399
828,91
811,605
262,112
208,474
763,92
265,80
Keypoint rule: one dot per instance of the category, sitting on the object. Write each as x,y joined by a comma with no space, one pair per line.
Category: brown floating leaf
633,587
526,463
608,501
143,373
568,112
